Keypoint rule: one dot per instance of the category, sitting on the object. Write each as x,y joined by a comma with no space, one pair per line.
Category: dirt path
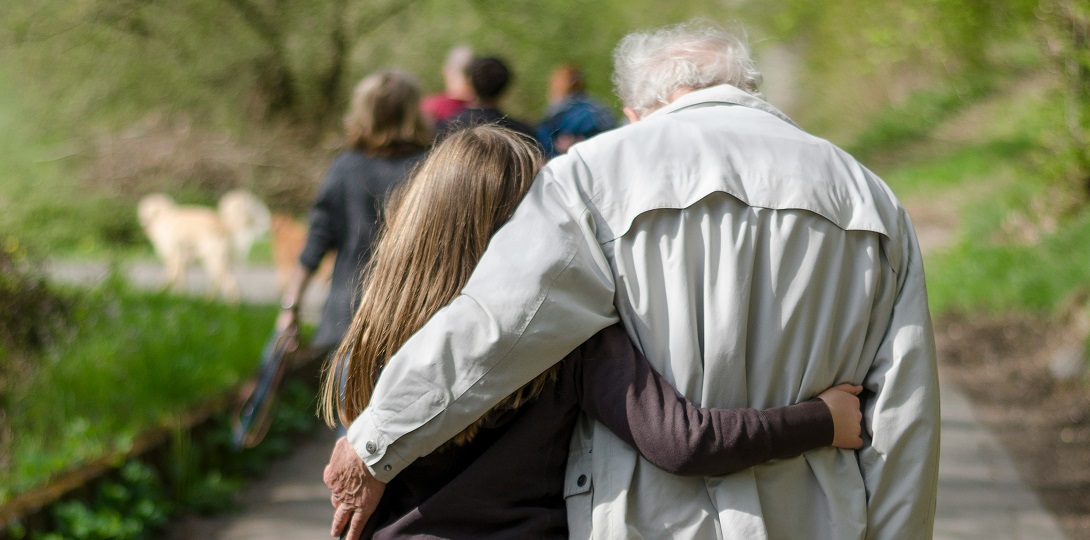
981,495
1000,418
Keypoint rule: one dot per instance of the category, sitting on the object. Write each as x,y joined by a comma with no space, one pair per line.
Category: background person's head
653,68
384,115
455,82
489,77
565,80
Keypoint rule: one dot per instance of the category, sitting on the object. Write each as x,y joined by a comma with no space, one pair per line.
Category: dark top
475,116
508,482
345,218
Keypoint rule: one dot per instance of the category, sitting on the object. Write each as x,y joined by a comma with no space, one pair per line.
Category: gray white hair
648,67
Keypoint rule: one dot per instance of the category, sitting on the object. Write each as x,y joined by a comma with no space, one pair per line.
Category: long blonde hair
438,225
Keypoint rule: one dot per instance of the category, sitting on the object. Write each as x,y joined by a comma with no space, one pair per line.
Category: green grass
917,117
990,277
986,161
993,176
135,361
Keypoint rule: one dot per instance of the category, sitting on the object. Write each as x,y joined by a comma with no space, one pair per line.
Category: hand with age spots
355,492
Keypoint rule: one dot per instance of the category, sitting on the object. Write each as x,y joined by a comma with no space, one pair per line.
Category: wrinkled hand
355,492
843,403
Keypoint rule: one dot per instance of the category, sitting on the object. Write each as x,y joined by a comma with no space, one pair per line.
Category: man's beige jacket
754,265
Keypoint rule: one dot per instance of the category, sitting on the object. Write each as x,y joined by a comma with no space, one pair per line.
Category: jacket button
387,467
370,447
581,481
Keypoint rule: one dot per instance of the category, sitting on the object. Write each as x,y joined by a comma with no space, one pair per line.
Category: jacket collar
721,94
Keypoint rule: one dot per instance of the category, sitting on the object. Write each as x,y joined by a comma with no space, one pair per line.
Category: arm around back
619,388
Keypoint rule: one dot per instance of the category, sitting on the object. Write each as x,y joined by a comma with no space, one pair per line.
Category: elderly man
752,263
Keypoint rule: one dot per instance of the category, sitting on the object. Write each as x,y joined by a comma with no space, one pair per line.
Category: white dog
218,237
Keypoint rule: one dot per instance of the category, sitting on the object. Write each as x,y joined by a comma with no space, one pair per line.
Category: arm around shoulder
527,304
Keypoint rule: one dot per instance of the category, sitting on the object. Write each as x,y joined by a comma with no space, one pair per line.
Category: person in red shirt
457,93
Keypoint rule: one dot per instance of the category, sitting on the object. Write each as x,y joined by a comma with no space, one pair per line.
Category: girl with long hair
504,475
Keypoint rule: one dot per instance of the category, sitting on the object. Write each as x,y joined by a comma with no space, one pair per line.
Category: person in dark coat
385,136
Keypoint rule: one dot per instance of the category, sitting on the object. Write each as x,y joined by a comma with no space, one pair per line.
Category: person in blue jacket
572,116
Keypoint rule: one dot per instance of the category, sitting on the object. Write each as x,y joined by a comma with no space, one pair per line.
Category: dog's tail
246,217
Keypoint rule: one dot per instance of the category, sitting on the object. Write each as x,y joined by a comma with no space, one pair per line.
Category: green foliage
32,314
1002,171
202,473
132,506
39,198
996,277
136,361
891,50
206,471
1068,41
915,118
985,165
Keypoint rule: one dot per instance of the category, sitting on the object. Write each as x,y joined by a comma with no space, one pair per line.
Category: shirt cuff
373,447
810,423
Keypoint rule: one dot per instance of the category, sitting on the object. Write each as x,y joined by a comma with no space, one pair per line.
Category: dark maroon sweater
508,482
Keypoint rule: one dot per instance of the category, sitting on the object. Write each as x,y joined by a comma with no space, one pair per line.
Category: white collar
723,93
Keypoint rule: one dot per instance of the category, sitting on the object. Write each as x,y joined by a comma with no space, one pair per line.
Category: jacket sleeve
619,388
541,288
901,411
327,219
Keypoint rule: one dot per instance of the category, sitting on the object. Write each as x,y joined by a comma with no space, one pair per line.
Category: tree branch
376,19
259,22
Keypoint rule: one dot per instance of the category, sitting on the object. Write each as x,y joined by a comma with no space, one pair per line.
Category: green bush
32,314
137,360
200,471
917,117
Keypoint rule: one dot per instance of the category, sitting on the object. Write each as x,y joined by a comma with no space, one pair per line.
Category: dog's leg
181,285
224,281
174,266
216,257
230,287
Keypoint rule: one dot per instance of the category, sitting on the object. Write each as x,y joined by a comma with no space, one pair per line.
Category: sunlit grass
917,117
993,277
992,177
135,361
